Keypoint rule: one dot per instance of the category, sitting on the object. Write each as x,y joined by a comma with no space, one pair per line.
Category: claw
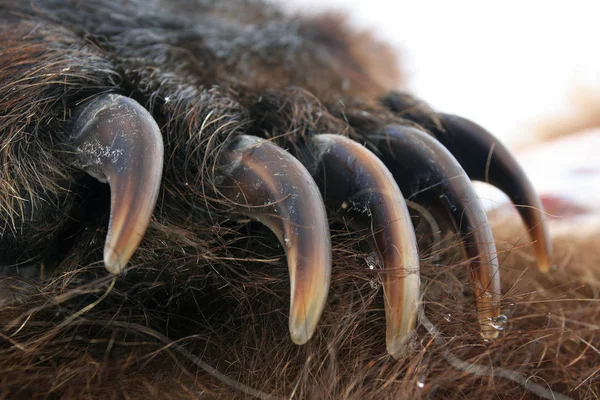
271,186
117,141
354,180
423,166
485,159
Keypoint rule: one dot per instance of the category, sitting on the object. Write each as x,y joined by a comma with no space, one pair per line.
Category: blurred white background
504,65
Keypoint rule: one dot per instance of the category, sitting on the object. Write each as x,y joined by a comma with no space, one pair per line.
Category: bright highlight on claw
485,159
268,184
426,170
357,184
117,141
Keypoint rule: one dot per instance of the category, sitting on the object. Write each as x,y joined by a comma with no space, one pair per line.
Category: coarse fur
201,311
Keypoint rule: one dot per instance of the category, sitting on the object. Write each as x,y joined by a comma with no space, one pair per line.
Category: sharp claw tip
115,268
492,326
548,267
113,263
489,334
400,345
303,325
299,335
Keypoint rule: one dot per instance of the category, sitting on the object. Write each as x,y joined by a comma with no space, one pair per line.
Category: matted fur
202,308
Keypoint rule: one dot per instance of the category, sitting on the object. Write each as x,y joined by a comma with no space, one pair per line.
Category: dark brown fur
203,285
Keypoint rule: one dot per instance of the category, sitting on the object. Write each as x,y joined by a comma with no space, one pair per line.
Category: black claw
425,169
356,183
485,159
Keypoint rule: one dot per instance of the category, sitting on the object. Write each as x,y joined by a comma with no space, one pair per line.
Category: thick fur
202,309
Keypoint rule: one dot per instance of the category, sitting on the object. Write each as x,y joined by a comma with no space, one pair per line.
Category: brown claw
271,186
425,169
116,140
485,159
354,181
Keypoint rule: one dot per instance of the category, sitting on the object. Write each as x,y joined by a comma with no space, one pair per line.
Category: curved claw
271,186
116,140
422,166
354,181
485,159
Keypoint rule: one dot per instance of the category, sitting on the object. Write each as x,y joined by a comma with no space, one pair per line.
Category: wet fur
205,285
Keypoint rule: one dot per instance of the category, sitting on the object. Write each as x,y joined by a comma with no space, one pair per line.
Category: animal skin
207,304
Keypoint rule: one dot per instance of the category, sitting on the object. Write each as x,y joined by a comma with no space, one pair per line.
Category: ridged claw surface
357,184
266,183
117,141
485,159
426,169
